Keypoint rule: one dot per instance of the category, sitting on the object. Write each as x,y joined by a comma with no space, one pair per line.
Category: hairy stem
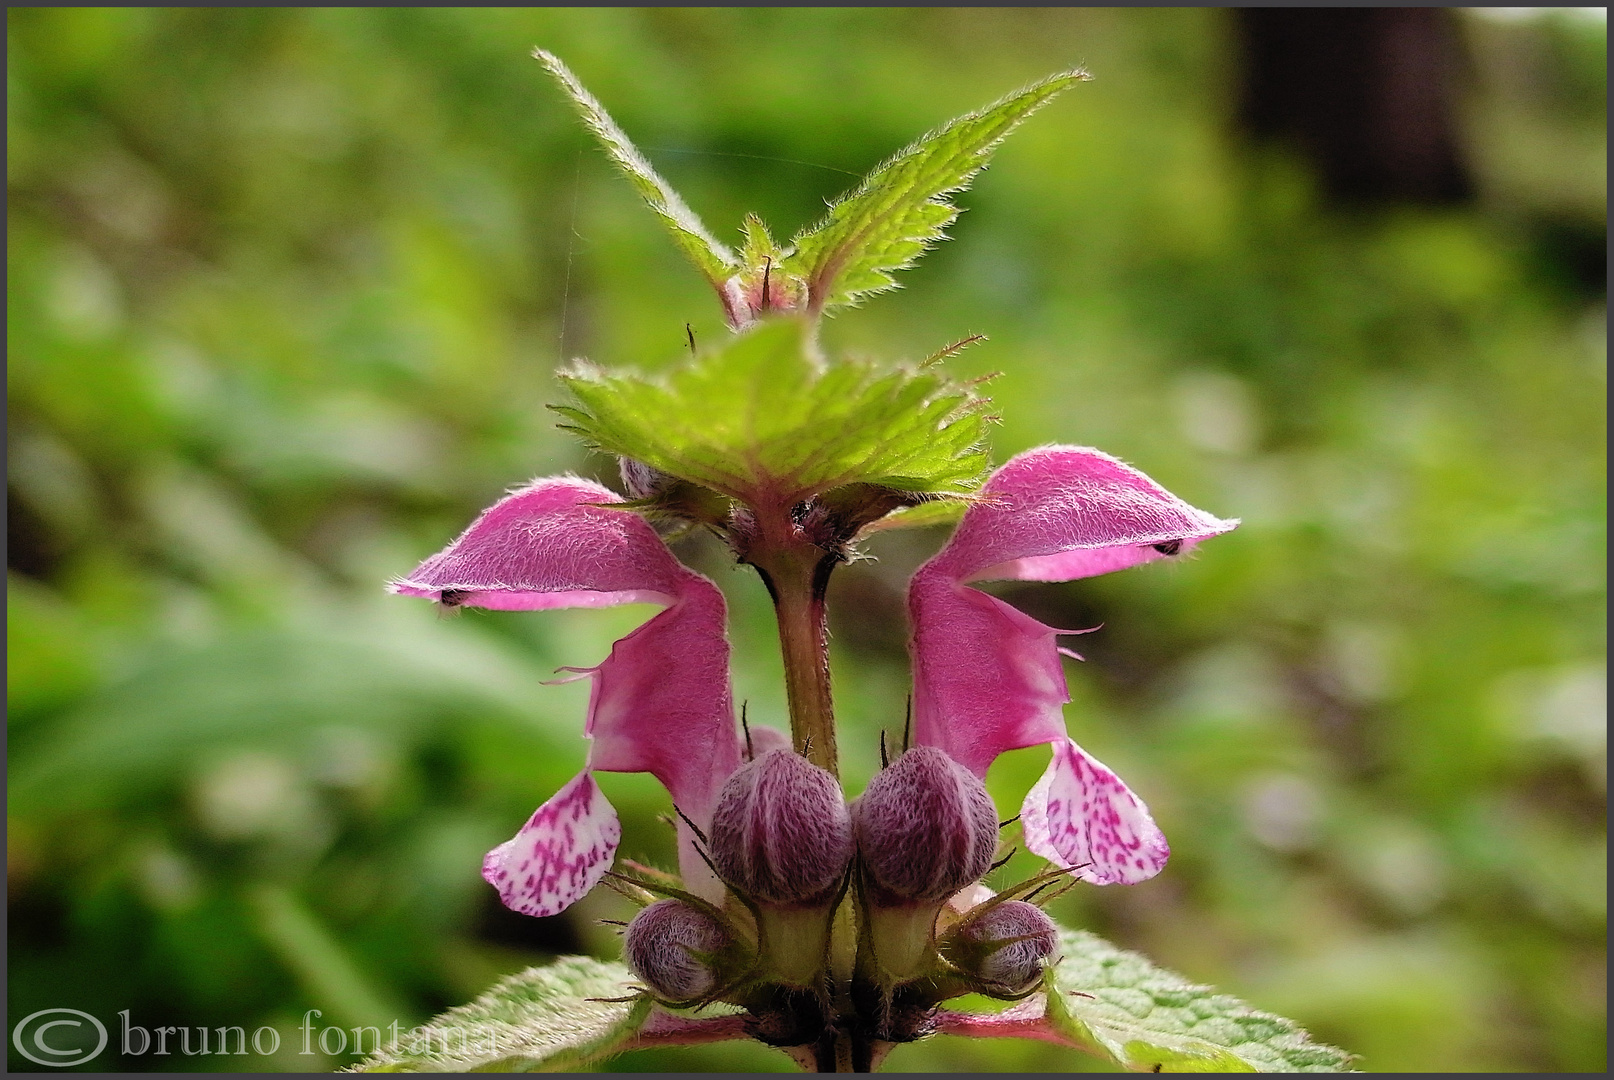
796,572
797,576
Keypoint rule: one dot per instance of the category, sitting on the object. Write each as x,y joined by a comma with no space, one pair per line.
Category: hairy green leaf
547,1019
922,516
712,258
901,208
1119,1005
763,419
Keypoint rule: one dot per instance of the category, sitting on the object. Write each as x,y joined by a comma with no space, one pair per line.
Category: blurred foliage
286,292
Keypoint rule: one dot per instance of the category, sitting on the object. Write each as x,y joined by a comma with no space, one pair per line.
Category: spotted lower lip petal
560,853
1080,815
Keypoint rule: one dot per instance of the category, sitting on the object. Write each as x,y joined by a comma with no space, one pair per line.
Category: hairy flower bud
642,481
925,827
1005,946
667,500
781,833
669,945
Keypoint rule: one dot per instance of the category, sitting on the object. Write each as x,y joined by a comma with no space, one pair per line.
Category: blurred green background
286,291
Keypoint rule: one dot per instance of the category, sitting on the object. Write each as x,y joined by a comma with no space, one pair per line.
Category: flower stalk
796,572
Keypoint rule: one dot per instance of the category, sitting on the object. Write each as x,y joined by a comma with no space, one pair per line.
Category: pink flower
661,701
987,677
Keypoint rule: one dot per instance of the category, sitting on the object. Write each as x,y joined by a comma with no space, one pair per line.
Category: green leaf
546,1019
901,208
923,516
763,419
1118,1005
712,258
267,689
760,245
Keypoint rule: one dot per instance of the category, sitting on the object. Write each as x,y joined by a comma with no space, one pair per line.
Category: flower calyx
822,528
781,840
926,828
834,520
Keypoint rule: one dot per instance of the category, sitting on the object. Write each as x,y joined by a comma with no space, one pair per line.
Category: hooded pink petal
987,677
560,853
550,545
661,701
1081,816
1058,513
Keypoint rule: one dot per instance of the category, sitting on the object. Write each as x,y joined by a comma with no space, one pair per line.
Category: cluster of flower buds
782,839
927,832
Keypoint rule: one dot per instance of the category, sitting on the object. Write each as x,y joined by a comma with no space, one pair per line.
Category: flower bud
761,738
1004,946
642,481
781,833
925,827
758,291
669,945
668,500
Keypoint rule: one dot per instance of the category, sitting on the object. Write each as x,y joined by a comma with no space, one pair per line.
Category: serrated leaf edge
821,274
588,427
710,256
1134,1053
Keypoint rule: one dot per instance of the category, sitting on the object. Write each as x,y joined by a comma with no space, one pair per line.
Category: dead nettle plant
830,929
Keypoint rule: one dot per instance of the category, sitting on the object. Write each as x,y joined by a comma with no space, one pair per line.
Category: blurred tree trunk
1366,94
